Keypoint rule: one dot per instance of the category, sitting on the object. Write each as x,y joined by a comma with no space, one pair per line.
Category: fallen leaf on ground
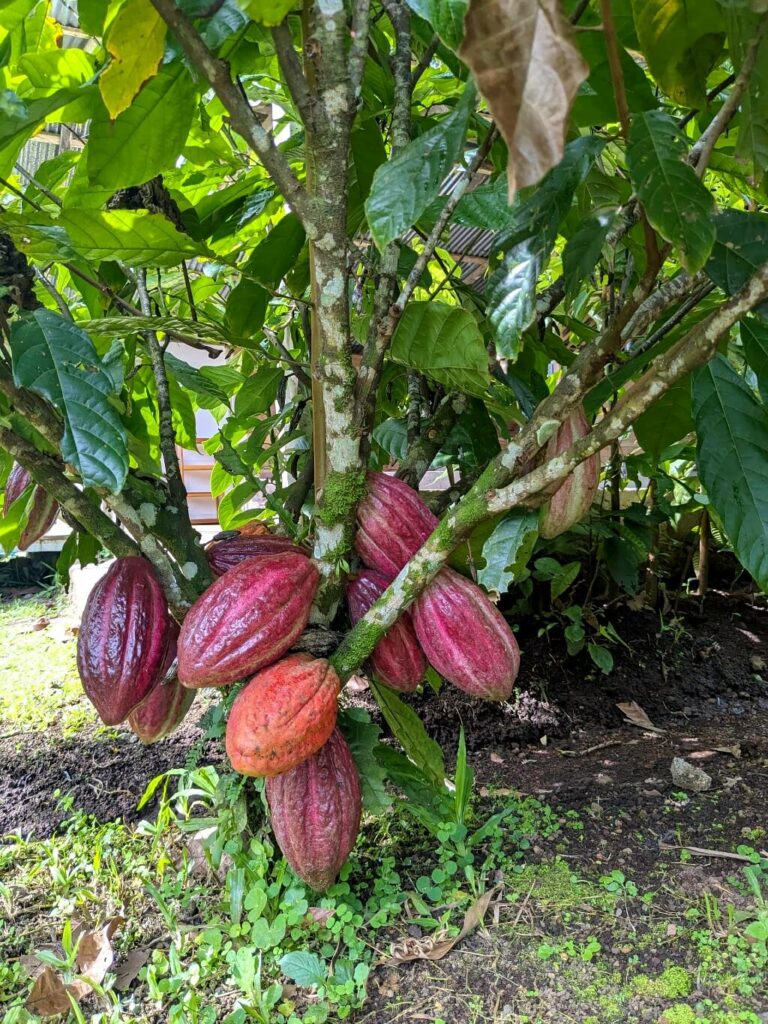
497,759
435,947
127,969
41,623
734,751
635,715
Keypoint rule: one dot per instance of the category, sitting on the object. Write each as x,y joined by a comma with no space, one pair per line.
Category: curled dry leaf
435,947
635,715
529,71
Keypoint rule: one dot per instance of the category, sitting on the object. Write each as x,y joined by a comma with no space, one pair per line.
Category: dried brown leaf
127,969
49,995
95,953
434,947
635,715
529,72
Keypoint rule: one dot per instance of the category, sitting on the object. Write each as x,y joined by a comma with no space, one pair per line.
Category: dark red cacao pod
123,640
573,499
167,704
316,809
44,508
226,554
465,637
283,716
392,524
397,659
247,619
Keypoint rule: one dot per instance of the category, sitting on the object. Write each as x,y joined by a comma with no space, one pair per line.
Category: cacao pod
225,554
282,716
465,637
397,658
42,513
167,704
392,524
573,499
123,640
247,619
316,809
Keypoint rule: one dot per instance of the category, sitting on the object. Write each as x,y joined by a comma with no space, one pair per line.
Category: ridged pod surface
316,810
392,524
465,637
247,619
397,659
283,716
167,704
573,499
226,554
123,639
44,508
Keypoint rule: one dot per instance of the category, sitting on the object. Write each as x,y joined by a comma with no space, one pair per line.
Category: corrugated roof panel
65,12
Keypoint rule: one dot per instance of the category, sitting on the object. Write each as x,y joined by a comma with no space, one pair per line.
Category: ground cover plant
510,247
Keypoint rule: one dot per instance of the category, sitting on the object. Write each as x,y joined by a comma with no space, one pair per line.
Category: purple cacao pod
573,499
123,641
397,658
247,619
316,809
465,637
42,513
225,554
392,524
167,704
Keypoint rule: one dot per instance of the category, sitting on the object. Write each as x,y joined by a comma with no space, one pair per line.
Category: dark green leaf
602,657
208,393
667,420
754,338
445,16
507,550
732,428
273,257
622,562
584,248
392,435
444,343
740,249
246,310
362,735
258,393
410,733
305,969
57,359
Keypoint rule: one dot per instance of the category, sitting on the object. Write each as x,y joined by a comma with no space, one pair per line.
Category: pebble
689,777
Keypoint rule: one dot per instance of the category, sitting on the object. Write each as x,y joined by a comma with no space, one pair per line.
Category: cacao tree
490,238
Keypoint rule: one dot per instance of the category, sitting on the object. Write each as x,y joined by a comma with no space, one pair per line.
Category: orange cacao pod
573,499
316,809
392,524
282,716
465,637
247,619
123,639
397,658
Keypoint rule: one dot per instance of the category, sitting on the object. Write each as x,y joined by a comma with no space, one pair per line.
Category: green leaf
147,137
754,338
246,310
564,579
681,40
752,139
732,428
405,186
602,657
584,248
410,733
140,238
91,14
677,203
392,435
258,393
209,394
667,420
277,253
362,735
268,12
14,12
486,207
507,550
69,68
13,523
20,118
445,16
135,43
622,561
305,969
57,359
740,249
444,343
119,326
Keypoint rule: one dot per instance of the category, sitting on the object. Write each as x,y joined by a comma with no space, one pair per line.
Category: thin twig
40,187
646,344
293,74
188,287
53,291
297,368
711,95
426,60
699,851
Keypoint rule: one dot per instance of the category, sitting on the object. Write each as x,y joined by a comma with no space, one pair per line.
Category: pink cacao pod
225,554
573,499
44,508
397,658
123,639
465,637
167,704
282,716
392,524
316,809
247,619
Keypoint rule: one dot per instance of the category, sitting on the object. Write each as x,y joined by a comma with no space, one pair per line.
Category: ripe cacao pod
123,640
392,524
247,619
397,658
225,554
167,704
42,513
573,499
465,637
283,716
316,809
